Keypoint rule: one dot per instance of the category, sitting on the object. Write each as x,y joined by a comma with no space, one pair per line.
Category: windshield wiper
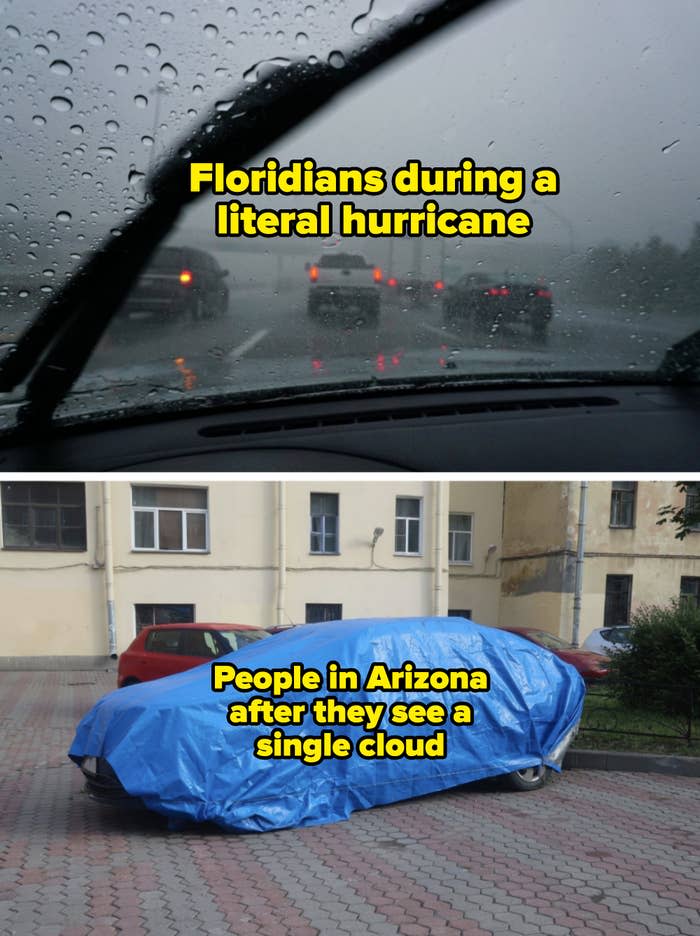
68,328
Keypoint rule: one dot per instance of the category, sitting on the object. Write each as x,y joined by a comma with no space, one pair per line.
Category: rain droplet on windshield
61,104
64,216
59,67
336,59
95,38
665,149
152,50
254,73
168,71
140,100
211,31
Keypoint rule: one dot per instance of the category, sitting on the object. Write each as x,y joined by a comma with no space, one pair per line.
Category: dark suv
179,281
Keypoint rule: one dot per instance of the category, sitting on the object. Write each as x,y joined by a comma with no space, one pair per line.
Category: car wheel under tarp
529,778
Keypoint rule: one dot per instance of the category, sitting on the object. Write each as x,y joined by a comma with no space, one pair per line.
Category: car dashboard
607,428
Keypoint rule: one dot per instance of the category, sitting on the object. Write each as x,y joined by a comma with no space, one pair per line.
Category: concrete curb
633,761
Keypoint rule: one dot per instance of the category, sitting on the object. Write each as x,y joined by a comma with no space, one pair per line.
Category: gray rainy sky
600,90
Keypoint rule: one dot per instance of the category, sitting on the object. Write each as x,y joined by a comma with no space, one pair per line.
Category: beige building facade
628,558
83,566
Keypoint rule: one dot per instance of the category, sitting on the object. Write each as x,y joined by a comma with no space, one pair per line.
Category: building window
460,545
324,523
622,503
148,614
408,526
170,518
692,508
618,597
460,612
690,589
44,515
320,613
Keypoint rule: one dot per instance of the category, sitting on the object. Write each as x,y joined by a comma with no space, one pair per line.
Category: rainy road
268,338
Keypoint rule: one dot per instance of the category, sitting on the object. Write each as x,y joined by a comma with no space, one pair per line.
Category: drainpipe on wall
109,569
281,549
439,533
580,546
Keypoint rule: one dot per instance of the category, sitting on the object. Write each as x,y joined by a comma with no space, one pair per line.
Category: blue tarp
170,744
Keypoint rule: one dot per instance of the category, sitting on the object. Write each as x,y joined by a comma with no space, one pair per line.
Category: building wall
521,571
650,553
51,600
382,584
539,543
540,540
476,587
61,599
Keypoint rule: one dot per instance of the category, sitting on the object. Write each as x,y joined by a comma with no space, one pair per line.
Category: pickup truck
342,280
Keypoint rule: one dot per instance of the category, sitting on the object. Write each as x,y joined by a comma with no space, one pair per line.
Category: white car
606,639
340,280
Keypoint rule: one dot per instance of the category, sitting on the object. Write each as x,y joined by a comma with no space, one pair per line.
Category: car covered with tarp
419,705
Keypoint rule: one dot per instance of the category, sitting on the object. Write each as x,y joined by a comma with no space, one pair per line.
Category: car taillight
186,277
438,284
544,293
313,273
377,274
503,291
499,291
392,281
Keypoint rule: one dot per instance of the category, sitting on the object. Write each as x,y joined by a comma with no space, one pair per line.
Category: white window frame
322,533
618,498
469,533
418,519
183,522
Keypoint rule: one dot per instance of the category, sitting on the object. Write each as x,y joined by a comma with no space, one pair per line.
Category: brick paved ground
592,853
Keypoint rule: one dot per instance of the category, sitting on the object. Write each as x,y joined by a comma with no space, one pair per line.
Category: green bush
663,660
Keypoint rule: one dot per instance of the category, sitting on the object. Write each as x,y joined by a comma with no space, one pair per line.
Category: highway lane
267,338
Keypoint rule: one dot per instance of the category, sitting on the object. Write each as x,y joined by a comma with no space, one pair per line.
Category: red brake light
493,291
186,277
544,293
377,274
313,273
392,281
439,284
503,291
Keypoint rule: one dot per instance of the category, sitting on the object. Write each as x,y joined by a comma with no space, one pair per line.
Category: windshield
97,96
550,641
235,639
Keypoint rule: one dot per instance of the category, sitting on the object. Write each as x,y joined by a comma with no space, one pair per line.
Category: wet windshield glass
95,96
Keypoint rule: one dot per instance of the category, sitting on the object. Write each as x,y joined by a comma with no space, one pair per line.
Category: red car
590,665
164,649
